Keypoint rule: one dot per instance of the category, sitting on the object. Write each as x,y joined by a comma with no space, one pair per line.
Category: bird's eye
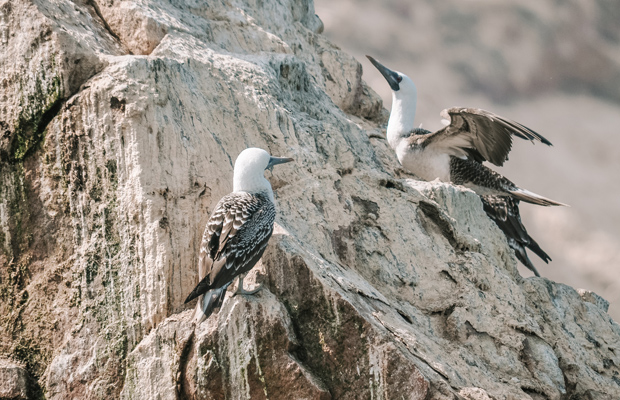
399,78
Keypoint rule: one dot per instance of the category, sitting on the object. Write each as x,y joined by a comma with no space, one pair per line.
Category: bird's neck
401,117
252,182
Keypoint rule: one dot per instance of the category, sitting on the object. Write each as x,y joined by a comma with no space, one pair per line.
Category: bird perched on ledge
237,231
456,154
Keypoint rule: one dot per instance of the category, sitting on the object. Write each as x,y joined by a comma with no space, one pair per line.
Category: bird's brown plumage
234,240
486,134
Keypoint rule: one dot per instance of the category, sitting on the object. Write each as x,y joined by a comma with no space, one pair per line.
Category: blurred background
552,66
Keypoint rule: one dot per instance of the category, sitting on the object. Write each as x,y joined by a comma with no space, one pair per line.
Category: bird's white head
404,102
249,171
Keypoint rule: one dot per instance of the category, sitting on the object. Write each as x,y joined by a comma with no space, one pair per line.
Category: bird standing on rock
456,154
237,231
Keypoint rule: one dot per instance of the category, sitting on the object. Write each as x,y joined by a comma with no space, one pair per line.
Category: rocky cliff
119,125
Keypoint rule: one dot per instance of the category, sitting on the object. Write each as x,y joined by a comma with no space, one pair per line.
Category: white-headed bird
237,231
456,154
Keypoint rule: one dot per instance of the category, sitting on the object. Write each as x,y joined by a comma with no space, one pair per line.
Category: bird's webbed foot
241,290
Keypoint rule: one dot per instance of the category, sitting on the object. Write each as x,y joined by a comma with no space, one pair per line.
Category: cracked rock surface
120,121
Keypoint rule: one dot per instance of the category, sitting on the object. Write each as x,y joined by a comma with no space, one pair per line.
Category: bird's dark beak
388,74
278,160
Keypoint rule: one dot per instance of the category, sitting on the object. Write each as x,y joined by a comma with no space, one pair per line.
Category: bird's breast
424,163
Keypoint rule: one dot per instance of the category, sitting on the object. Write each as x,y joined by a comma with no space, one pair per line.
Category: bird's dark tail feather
211,301
504,211
537,250
202,287
522,255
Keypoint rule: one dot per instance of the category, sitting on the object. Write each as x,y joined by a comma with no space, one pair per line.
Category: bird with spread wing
456,153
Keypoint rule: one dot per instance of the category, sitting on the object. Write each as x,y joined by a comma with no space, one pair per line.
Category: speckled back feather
234,240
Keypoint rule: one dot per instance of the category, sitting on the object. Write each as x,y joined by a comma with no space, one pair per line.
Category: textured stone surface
15,382
591,297
376,285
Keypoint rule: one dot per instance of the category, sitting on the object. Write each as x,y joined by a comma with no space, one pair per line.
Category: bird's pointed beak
278,160
388,74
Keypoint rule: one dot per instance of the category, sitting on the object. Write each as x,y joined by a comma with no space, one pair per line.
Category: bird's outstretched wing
234,240
477,134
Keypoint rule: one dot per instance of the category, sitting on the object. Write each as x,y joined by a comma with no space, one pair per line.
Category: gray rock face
376,285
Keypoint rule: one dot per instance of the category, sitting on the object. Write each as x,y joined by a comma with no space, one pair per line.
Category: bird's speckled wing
477,132
234,240
473,174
